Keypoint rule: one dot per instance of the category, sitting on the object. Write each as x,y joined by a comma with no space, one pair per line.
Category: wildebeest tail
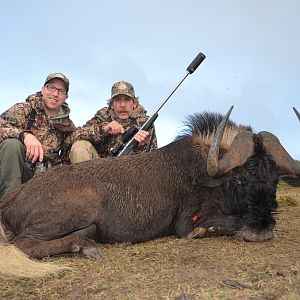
14,263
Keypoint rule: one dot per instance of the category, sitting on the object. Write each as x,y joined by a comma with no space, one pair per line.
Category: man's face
123,106
54,95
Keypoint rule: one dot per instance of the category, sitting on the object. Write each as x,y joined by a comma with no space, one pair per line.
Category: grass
171,268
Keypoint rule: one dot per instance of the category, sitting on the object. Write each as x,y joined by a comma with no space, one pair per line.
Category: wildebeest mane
206,123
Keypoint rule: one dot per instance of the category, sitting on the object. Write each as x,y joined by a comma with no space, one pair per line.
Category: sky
252,50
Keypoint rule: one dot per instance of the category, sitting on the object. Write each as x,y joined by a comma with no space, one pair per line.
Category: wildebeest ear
290,180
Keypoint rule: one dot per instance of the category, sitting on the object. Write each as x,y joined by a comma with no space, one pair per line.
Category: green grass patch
282,186
287,200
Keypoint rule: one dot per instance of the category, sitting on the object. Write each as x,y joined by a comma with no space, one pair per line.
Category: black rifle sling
62,143
31,119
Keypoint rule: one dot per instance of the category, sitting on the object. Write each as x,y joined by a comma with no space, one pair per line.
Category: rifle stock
132,144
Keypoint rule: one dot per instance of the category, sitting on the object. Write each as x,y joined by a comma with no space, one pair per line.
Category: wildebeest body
129,200
186,188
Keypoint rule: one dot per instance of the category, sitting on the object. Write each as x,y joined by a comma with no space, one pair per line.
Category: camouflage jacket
103,142
52,132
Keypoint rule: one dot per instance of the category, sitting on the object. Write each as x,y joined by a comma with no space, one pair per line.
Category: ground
171,268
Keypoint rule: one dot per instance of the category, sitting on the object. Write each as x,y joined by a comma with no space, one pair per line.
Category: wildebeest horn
212,165
240,150
281,157
297,113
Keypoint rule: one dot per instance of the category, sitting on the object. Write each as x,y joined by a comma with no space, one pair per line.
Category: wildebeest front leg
202,232
67,244
184,223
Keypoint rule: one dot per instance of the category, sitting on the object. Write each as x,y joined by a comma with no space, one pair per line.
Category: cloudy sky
252,50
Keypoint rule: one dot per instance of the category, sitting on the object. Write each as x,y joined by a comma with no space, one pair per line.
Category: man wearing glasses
34,134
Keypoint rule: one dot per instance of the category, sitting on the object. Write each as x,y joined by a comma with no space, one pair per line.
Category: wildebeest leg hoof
75,248
92,252
197,232
202,232
86,246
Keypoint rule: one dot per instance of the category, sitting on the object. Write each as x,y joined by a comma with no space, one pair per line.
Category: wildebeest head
243,179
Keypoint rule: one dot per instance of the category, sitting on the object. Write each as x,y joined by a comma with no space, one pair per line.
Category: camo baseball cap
58,76
122,88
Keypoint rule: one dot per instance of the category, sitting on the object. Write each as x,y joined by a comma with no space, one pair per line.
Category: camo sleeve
152,144
92,130
13,121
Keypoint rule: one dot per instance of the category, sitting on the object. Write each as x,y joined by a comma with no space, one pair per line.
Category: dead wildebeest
193,187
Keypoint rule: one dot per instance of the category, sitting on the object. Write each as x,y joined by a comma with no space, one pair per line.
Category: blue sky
252,50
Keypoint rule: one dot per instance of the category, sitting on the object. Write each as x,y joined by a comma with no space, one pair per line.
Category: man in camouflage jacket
34,135
101,134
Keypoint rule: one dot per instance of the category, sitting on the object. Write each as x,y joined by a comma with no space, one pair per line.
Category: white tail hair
15,263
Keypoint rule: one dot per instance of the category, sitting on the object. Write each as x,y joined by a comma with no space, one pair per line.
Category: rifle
297,113
132,143
127,136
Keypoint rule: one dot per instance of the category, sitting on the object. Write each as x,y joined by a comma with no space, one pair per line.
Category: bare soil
171,268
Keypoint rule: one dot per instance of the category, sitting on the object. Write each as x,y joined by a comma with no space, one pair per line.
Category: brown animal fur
141,197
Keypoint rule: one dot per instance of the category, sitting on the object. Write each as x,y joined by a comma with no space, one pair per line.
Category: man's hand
113,128
34,149
142,137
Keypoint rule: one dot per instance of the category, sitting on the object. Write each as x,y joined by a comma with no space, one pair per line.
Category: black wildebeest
194,187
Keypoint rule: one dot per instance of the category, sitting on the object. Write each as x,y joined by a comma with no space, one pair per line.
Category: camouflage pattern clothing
93,132
52,131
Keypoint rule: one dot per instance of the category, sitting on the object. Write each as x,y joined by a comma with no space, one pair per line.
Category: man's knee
11,146
12,165
81,151
12,153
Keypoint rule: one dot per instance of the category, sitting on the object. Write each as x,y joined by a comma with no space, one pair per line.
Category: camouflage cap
122,88
58,76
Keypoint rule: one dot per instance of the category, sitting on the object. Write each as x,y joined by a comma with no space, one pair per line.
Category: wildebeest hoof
92,252
202,232
75,248
197,232
87,246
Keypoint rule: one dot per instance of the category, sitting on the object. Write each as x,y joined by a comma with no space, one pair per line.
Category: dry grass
170,268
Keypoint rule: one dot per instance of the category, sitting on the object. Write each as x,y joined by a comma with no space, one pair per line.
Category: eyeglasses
53,89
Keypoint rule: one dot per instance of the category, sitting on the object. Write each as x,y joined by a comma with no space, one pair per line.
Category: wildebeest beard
245,201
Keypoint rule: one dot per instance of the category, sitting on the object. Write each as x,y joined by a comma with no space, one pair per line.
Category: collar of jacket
61,121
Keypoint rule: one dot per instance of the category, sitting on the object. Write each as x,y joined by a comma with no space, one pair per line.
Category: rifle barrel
173,91
190,69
